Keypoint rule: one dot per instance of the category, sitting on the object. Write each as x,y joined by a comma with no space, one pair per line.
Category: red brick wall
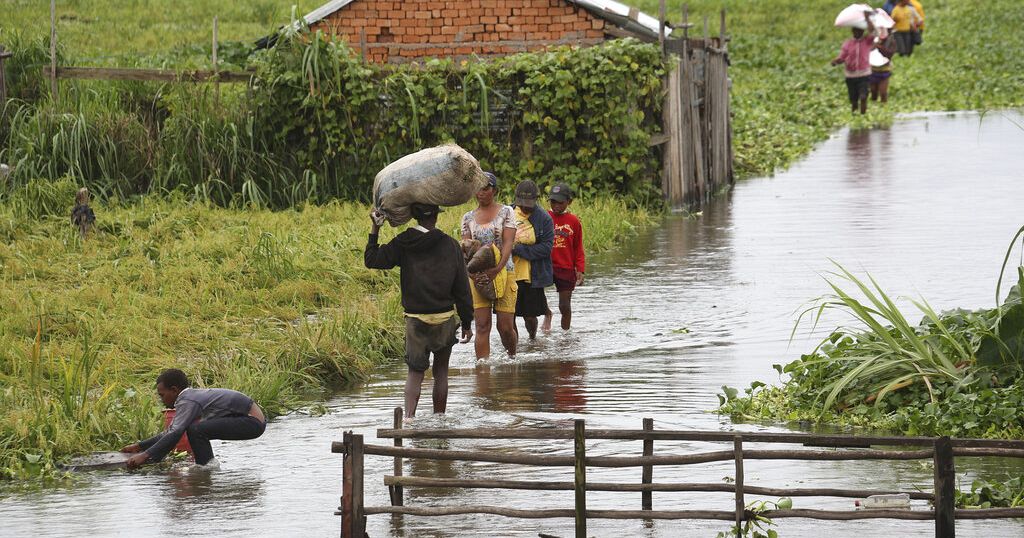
401,31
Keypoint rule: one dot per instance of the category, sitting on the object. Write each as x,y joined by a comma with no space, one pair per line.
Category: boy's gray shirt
194,404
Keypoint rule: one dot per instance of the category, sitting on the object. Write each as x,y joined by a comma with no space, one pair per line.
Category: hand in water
137,460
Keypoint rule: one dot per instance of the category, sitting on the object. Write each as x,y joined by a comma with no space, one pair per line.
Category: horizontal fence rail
941,451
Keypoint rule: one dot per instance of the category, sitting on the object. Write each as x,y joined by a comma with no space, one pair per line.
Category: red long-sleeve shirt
567,252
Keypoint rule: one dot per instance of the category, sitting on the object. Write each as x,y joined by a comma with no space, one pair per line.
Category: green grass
275,304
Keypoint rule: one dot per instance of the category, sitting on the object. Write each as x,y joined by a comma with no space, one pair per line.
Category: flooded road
927,206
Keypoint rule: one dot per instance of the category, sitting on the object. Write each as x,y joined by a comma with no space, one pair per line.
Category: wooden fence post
397,495
358,513
945,486
346,486
580,454
661,27
741,504
216,67
3,76
53,50
648,472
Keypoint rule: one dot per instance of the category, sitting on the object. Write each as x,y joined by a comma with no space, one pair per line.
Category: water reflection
556,386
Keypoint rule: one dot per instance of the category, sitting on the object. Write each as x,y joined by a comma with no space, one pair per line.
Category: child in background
878,82
855,55
567,256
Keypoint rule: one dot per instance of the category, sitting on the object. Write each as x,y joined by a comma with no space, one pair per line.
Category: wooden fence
940,450
697,155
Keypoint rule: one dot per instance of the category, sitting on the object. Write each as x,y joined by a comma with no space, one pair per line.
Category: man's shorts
857,89
422,339
531,302
505,304
565,279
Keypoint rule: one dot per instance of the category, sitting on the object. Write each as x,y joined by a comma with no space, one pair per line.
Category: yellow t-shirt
904,17
525,235
920,10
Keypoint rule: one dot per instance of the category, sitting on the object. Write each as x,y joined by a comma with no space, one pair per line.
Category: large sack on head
444,175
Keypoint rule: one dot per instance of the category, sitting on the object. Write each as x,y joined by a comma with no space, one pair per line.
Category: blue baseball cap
492,180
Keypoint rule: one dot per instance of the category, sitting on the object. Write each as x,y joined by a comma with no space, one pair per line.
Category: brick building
404,30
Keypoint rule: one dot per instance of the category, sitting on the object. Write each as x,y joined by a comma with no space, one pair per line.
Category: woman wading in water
493,223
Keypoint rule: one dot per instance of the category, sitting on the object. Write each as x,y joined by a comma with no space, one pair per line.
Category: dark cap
492,180
527,193
560,193
421,211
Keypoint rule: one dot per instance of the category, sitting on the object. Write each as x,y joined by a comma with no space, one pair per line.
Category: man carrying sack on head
435,287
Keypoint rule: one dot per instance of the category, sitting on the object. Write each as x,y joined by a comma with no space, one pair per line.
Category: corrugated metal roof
618,14
614,12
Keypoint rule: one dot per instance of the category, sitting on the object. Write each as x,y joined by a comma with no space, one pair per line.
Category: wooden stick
693,435
580,461
945,489
686,21
647,475
216,66
723,515
425,482
53,50
362,42
358,512
3,76
346,487
661,27
740,504
397,495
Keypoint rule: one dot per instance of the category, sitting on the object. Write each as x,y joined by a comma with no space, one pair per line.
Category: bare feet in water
546,326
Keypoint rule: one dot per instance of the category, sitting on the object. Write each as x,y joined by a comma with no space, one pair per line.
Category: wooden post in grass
3,76
580,453
945,488
661,27
740,502
53,50
397,495
648,473
216,69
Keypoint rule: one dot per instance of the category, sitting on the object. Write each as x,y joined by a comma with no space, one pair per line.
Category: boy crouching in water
567,256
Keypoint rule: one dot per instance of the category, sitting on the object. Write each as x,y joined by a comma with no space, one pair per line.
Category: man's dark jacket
433,274
539,253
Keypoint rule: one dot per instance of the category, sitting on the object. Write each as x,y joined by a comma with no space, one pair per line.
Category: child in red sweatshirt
567,256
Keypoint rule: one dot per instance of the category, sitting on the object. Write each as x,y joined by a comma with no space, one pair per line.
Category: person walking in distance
567,258
435,297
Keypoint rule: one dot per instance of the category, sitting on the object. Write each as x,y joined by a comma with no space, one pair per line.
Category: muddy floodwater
926,206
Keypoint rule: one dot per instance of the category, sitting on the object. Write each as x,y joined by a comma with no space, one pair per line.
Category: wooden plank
475,483
151,75
3,76
945,489
658,139
346,487
691,435
358,513
471,509
740,503
661,27
53,51
397,494
989,513
647,475
580,475
845,515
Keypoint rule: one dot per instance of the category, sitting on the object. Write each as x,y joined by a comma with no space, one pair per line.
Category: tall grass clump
957,372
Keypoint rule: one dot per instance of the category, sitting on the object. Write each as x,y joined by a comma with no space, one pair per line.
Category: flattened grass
275,304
